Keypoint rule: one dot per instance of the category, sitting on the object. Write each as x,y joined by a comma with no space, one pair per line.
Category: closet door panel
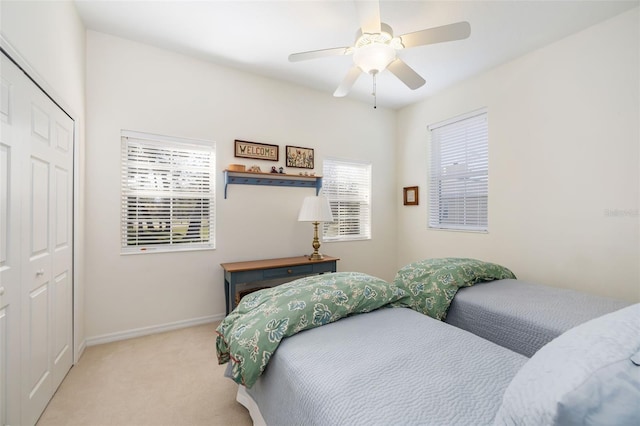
4,248
61,217
36,281
62,289
62,352
62,200
47,281
13,155
37,377
39,210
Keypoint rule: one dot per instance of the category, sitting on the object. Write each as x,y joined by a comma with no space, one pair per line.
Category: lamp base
316,256
316,244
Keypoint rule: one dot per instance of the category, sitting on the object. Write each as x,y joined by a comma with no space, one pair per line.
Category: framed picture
410,195
259,151
299,157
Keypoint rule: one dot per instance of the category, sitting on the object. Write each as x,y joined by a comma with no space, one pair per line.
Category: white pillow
589,375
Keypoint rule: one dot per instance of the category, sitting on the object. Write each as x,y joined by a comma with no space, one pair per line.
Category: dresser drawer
321,268
291,270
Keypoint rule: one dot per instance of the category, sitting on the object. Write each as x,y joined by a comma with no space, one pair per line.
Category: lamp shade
315,209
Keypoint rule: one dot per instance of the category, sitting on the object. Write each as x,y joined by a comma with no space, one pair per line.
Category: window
458,192
347,186
168,193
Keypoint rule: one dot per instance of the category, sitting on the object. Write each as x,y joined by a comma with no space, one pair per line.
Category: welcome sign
259,151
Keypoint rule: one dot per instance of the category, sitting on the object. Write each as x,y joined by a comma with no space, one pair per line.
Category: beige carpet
171,378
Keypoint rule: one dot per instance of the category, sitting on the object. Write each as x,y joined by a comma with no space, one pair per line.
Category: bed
393,364
331,375
524,316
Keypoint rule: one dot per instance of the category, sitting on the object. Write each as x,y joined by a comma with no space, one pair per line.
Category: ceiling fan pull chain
375,98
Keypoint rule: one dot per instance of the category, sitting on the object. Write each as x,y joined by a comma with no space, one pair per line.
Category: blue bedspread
387,367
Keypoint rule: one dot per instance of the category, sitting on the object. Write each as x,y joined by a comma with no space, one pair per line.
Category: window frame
470,178
341,221
154,177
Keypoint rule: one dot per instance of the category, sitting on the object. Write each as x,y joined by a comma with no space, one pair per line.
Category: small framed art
258,151
410,195
299,157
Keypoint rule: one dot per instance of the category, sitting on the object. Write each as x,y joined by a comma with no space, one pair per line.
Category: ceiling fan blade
313,54
348,82
406,74
369,16
457,31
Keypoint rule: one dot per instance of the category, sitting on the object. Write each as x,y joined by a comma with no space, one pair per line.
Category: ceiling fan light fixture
375,48
374,57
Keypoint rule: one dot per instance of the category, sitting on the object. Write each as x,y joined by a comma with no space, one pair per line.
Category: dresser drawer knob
289,271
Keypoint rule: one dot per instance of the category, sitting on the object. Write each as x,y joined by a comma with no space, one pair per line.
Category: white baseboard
80,351
154,329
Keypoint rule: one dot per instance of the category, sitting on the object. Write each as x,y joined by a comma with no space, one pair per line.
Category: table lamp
315,209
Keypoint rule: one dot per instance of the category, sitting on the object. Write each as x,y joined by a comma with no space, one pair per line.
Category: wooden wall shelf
271,179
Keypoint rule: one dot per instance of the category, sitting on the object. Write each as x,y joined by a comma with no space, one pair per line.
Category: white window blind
347,186
459,173
168,193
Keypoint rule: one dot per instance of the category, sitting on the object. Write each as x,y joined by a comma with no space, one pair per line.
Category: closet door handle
39,272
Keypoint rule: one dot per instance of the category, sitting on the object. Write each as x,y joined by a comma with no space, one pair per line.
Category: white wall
48,40
563,158
136,87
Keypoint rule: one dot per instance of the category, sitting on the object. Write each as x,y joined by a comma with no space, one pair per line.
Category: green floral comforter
250,334
431,284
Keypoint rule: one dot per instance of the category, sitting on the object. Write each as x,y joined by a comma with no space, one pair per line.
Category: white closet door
46,253
43,135
11,149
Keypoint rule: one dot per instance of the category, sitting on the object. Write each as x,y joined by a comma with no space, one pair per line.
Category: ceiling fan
375,48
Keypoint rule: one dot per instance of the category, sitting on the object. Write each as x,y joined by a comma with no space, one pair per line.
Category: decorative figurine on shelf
281,170
255,169
273,169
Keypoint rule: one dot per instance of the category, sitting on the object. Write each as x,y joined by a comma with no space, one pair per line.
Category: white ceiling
258,36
